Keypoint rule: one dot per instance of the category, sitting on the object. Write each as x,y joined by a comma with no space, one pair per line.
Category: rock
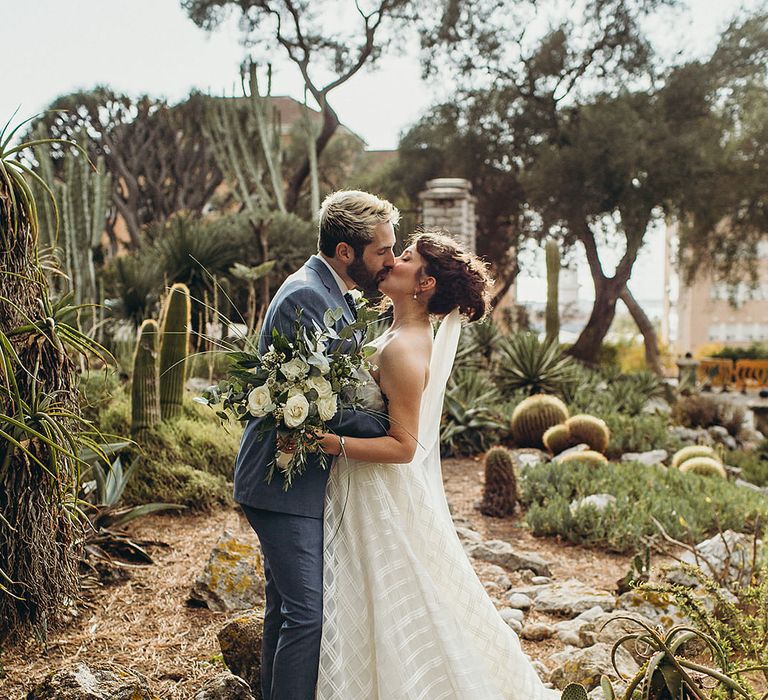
514,624
508,614
570,631
586,666
94,681
225,686
541,580
653,607
726,558
233,578
503,554
751,486
650,458
657,406
240,642
583,447
536,631
520,601
525,457
599,501
468,535
691,436
569,598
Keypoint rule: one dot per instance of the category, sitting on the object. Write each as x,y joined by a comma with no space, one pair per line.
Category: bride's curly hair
463,280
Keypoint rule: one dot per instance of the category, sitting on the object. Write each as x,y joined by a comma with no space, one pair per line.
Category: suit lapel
337,299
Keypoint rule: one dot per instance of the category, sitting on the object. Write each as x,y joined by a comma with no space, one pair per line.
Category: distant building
706,314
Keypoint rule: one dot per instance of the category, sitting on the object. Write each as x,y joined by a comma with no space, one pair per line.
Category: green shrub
682,503
753,464
638,434
756,351
187,460
702,411
97,389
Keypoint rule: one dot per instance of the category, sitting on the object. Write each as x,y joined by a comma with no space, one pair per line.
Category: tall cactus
174,345
553,278
500,489
145,398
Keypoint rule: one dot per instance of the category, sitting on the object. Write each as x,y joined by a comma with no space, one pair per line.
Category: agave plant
471,422
533,366
479,345
41,429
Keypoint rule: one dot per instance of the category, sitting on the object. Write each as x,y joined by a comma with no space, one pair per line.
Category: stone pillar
448,204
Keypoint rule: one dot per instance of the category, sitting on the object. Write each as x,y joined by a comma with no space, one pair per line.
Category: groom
355,244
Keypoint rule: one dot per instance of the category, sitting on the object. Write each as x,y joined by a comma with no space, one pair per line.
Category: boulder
467,534
582,447
83,681
503,554
537,631
233,578
240,642
570,631
691,436
649,458
599,501
726,558
525,457
568,598
652,607
519,601
225,686
586,666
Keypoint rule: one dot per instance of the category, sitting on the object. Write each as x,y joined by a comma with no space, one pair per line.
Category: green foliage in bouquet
533,416
687,505
297,386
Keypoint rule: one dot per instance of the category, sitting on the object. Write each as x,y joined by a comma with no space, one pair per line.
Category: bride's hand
330,443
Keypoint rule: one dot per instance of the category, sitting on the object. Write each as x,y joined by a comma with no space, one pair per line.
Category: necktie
351,304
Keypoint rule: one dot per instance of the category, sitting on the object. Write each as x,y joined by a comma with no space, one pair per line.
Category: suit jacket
314,290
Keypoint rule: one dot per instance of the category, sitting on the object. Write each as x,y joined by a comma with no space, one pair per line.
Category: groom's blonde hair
349,216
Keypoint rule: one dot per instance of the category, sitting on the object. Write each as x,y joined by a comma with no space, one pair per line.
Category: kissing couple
369,594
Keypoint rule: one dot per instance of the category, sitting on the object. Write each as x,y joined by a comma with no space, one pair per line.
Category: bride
405,617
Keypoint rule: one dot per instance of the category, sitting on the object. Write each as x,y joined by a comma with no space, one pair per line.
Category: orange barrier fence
743,373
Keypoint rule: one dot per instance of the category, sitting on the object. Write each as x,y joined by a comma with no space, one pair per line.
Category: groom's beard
363,278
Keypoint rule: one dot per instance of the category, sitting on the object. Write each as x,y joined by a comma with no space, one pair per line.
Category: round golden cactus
532,417
557,438
693,451
587,457
589,429
704,466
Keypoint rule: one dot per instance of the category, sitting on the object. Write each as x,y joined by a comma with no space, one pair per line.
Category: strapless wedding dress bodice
404,615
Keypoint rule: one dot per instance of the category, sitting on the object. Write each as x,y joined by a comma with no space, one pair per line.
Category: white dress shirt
342,284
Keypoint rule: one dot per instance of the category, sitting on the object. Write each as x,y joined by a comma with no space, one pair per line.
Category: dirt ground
144,622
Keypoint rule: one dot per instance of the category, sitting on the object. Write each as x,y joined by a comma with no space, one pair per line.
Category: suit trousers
292,548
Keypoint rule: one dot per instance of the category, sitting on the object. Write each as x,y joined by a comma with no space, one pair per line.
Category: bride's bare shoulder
407,351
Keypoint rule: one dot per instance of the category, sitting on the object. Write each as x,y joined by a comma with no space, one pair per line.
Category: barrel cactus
557,439
145,399
692,451
587,457
174,345
704,466
500,492
591,430
533,416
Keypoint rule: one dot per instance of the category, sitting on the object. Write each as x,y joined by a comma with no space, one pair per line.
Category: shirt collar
342,284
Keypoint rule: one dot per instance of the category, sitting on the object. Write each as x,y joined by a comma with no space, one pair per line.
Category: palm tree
41,430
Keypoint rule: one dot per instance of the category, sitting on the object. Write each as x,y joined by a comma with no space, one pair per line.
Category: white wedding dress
405,616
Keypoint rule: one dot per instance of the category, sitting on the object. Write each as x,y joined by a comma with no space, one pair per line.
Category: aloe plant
534,366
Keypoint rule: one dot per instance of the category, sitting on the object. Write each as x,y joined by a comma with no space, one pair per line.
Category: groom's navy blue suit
289,524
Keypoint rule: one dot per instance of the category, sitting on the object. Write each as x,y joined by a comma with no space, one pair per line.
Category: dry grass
144,622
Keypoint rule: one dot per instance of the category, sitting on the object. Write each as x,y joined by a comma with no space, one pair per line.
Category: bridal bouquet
297,385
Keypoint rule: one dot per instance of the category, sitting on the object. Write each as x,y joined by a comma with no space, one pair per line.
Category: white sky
52,48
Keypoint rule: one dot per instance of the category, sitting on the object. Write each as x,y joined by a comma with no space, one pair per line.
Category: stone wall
449,205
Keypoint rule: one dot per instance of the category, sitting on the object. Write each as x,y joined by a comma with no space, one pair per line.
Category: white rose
294,369
260,401
296,390
326,408
321,385
295,411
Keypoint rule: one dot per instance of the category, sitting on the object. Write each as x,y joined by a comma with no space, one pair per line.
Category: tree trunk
645,326
587,347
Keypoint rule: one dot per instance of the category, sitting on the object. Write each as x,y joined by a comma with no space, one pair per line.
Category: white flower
295,411
294,369
326,408
296,390
260,401
320,361
356,295
321,385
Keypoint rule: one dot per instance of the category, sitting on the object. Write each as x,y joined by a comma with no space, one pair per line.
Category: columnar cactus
174,346
557,439
533,416
704,466
587,457
500,492
690,452
591,430
553,278
145,399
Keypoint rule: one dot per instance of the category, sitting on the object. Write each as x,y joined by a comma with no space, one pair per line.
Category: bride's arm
403,367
